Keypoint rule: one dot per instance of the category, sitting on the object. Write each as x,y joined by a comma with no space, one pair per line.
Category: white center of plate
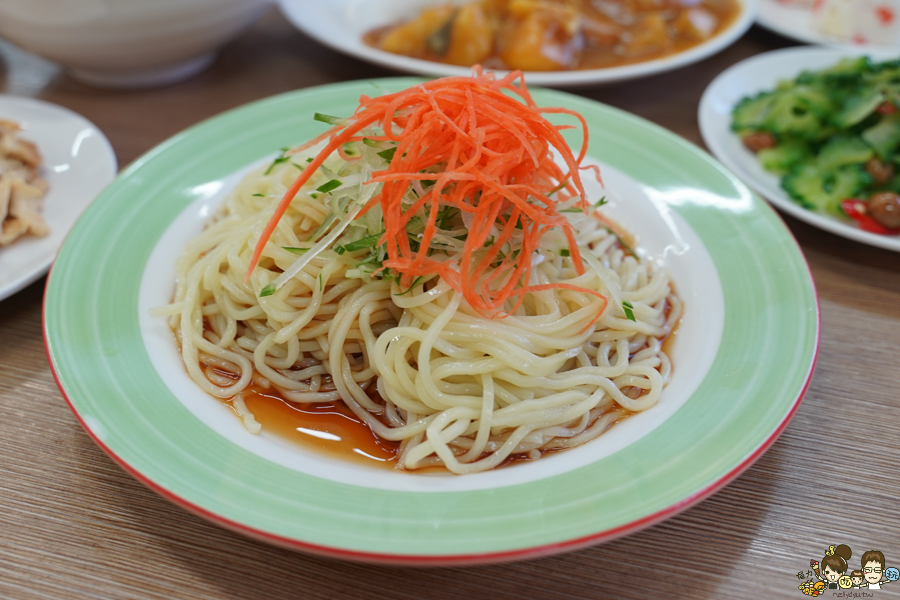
661,234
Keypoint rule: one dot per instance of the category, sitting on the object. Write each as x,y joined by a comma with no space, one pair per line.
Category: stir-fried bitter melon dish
833,136
430,264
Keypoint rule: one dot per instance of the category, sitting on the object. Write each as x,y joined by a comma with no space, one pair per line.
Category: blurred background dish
78,163
343,25
860,22
127,43
754,75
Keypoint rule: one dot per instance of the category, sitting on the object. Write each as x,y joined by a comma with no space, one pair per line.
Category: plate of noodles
308,320
555,42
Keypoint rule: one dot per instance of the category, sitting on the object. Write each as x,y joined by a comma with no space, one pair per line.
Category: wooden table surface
73,524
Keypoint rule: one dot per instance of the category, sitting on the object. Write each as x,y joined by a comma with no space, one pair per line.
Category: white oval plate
755,75
341,24
794,21
78,163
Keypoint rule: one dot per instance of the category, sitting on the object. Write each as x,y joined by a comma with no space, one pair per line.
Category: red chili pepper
856,210
886,108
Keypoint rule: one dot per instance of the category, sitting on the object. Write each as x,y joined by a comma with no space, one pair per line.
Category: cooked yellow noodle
454,387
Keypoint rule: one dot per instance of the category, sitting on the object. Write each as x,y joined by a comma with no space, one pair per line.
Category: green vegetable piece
267,291
845,69
388,154
278,161
750,113
327,119
414,285
372,258
563,184
884,136
843,150
857,107
784,156
366,242
802,112
294,249
813,188
564,252
886,72
628,309
260,195
329,186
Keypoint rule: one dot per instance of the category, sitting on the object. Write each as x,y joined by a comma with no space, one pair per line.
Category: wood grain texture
75,525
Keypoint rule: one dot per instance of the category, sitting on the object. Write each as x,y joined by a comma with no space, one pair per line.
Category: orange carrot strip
489,155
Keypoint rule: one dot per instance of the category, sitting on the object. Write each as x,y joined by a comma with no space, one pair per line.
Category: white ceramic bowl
127,43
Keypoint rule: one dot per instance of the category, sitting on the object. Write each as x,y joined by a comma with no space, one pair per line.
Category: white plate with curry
593,47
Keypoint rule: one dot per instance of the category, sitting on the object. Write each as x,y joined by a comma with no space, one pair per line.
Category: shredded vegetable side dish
431,266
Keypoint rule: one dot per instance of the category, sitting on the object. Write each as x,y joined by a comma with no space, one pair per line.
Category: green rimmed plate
743,356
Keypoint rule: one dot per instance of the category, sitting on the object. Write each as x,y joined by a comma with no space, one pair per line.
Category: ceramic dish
761,73
743,356
78,164
793,21
341,24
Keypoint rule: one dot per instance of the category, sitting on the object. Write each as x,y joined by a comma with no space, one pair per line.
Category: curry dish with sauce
553,35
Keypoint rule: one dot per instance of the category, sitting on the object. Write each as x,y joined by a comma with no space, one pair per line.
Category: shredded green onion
388,154
278,161
366,242
327,119
329,186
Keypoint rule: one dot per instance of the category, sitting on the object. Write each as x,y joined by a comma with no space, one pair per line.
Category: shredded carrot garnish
490,155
